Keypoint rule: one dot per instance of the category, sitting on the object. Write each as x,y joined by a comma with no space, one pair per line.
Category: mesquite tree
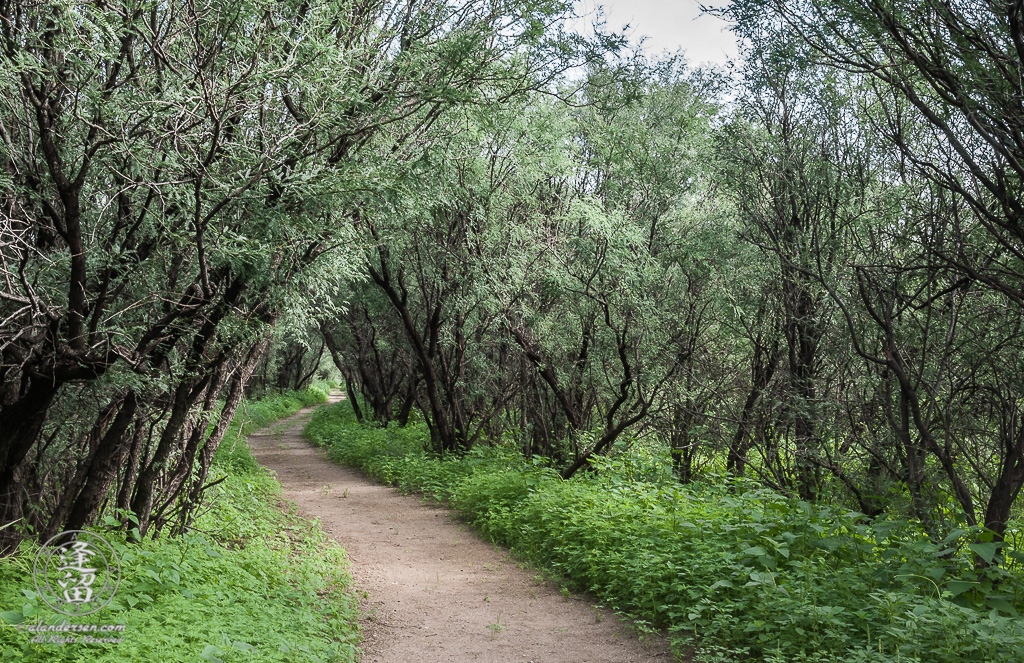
539,284
170,173
945,83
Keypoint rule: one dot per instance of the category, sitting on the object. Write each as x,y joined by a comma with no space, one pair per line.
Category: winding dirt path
435,591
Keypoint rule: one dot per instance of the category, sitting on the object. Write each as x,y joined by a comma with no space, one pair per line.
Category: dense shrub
736,571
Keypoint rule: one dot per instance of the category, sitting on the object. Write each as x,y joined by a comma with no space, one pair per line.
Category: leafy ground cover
251,582
731,571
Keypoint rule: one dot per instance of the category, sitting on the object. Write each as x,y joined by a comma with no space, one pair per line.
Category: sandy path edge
435,591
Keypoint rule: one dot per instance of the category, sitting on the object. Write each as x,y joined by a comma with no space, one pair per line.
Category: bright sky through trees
669,25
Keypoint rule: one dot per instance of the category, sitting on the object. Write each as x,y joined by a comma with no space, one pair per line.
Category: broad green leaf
958,587
986,551
12,617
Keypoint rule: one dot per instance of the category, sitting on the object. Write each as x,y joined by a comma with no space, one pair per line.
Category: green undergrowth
250,583
731,571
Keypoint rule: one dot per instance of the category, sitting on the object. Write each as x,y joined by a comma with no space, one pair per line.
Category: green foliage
317,392
233,454
735,570
250,582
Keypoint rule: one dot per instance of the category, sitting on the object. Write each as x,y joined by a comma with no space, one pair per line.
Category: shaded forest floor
432,589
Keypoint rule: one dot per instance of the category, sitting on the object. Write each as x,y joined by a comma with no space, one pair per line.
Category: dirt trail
436,591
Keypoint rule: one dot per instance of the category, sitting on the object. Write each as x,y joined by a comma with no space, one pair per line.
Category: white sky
669,25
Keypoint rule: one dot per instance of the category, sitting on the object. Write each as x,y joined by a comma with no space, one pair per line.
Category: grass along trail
434,591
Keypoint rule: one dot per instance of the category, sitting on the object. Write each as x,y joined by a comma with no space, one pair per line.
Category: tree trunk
20,425
109,456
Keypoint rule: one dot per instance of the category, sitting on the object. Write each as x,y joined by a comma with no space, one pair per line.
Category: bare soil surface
434,590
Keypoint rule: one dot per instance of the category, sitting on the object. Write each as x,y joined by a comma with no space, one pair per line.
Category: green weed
249,583
736,572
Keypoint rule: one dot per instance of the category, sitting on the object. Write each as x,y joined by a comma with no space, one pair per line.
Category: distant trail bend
436,591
